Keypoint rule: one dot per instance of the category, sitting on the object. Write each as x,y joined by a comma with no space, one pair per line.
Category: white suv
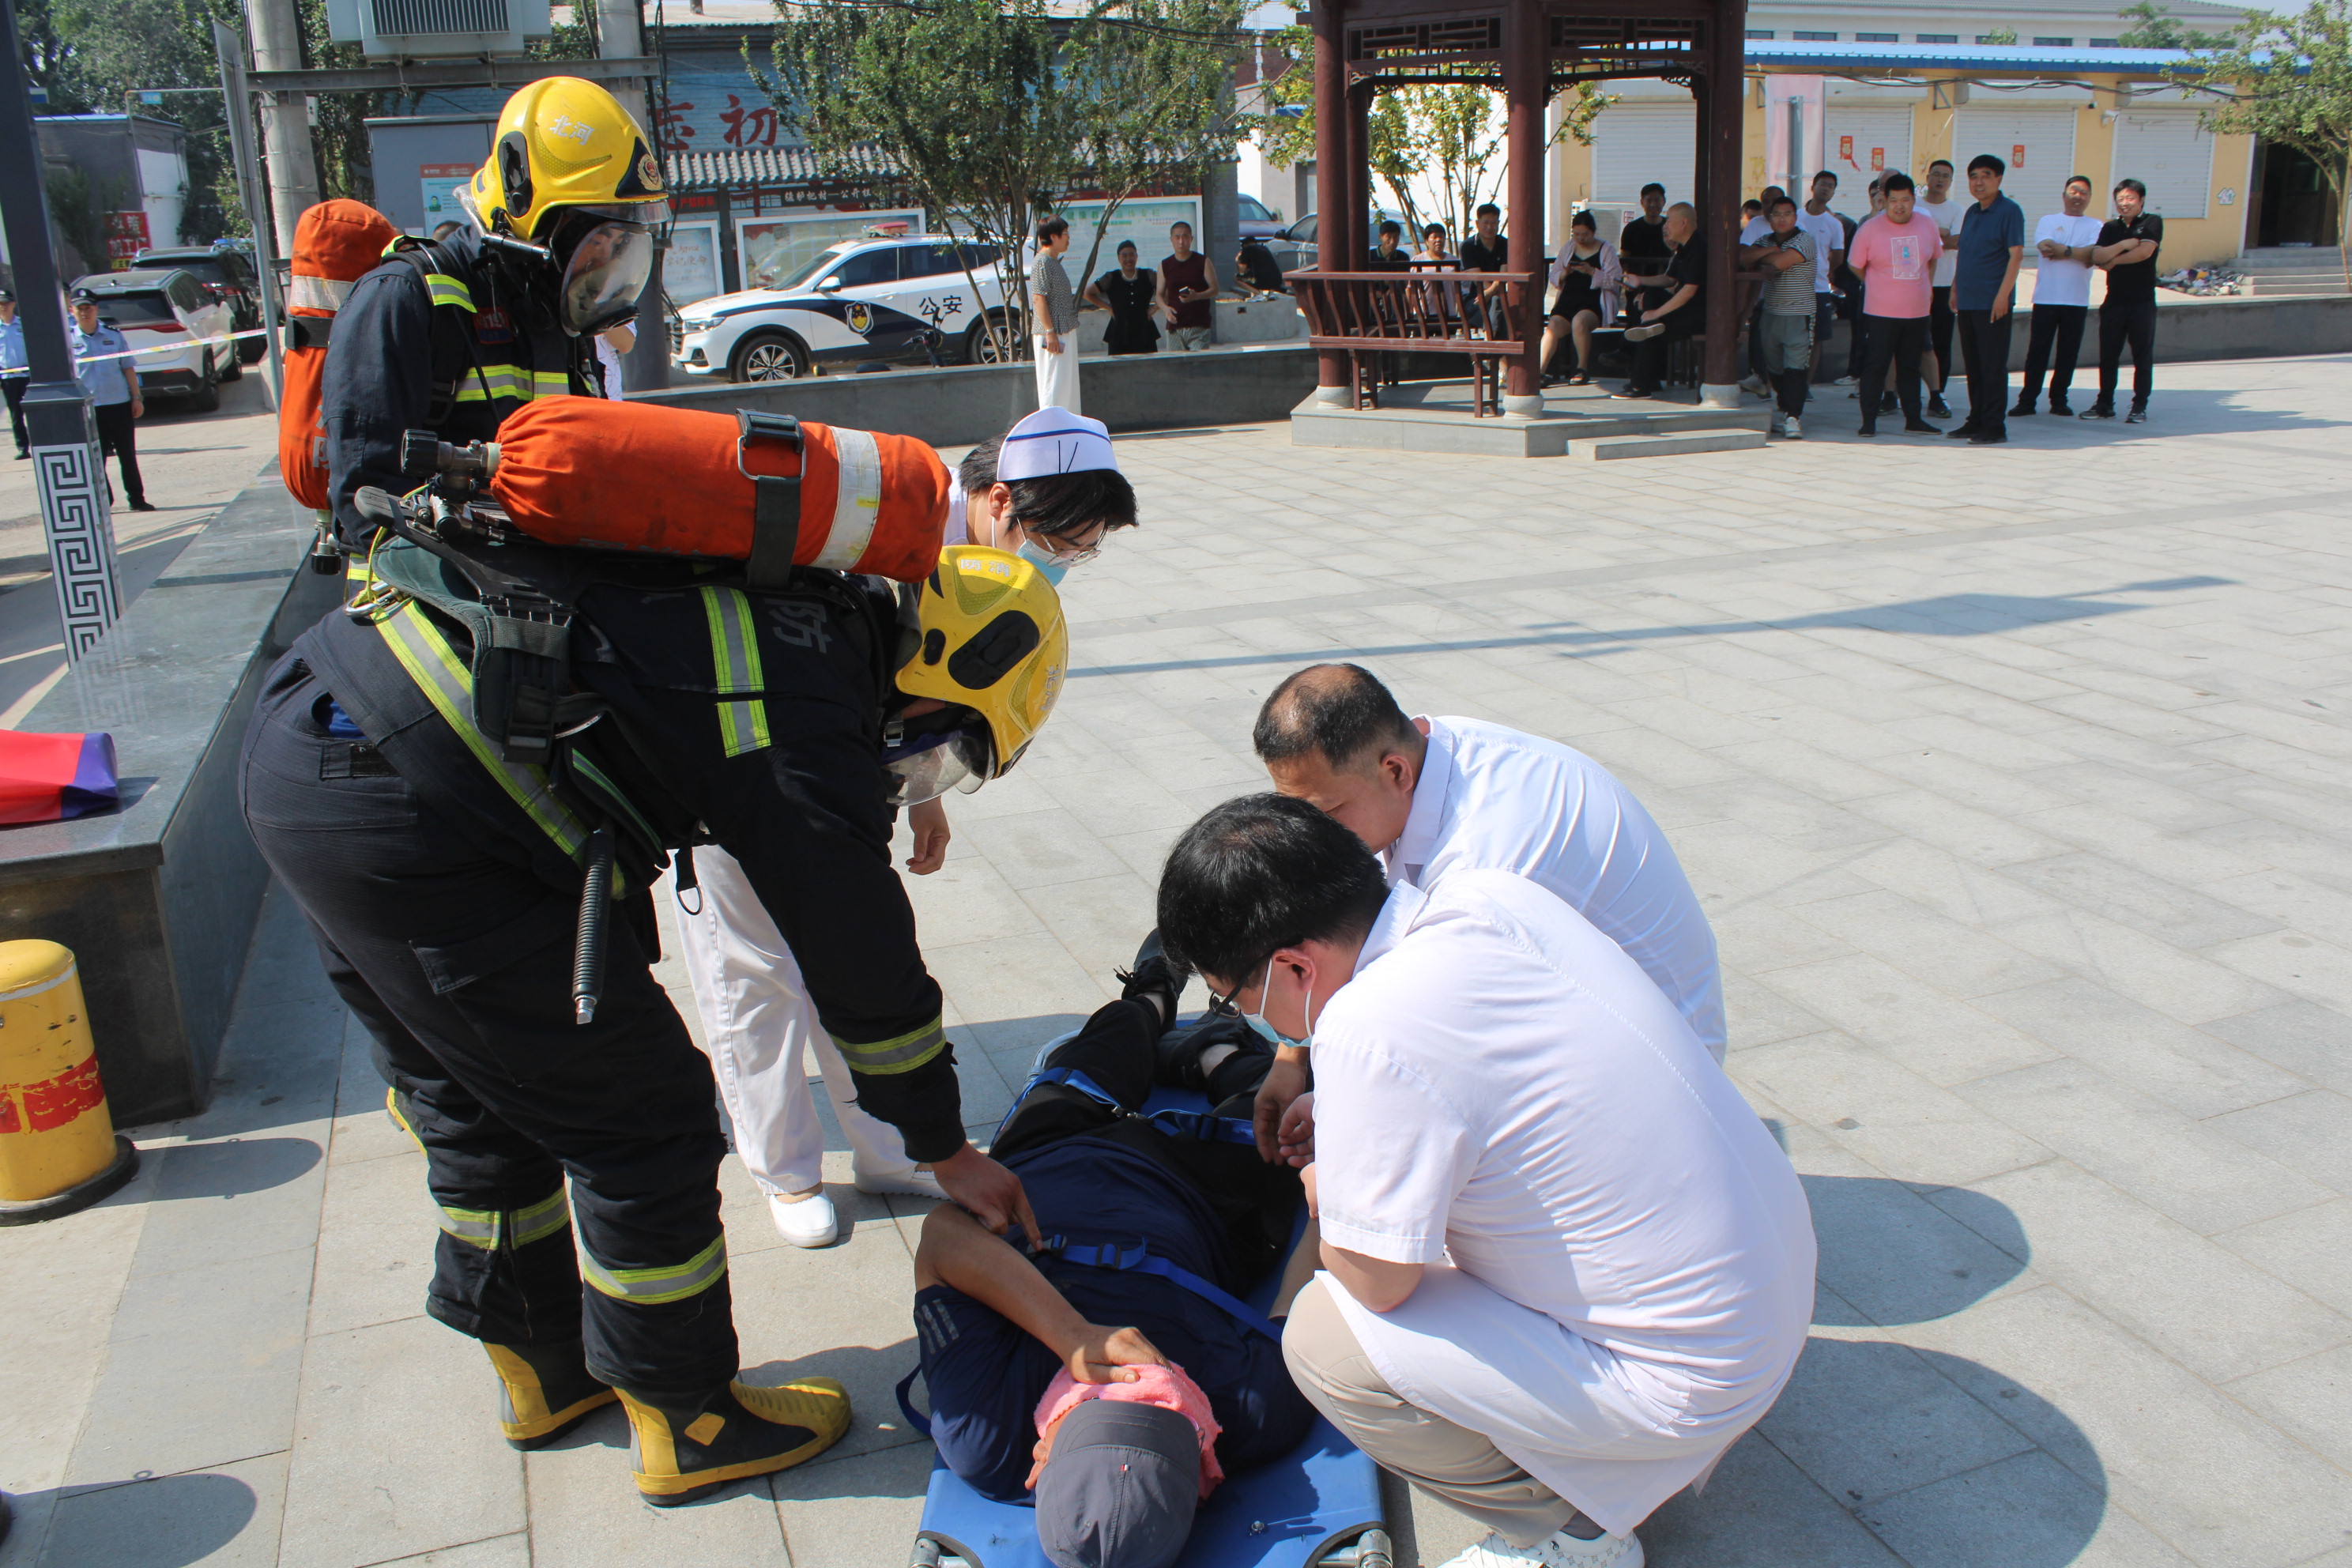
166,316
888,301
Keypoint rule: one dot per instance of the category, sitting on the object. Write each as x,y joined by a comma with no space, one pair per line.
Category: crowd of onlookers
1928,269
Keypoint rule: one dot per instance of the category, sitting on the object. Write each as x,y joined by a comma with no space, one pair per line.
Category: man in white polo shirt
1431,794
1565,1265
1945,211
2062,297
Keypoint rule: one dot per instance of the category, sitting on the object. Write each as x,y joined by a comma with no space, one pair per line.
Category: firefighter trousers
459,963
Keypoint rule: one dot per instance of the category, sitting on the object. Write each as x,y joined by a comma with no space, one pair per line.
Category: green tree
960,96
2155,27
1147,87
2287,80
1438,148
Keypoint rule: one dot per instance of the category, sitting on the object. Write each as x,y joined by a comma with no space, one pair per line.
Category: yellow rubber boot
684,1451
544,1390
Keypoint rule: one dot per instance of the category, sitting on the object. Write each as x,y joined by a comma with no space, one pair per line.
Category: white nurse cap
1055,441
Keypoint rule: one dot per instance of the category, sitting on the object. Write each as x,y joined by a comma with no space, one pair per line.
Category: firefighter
429,770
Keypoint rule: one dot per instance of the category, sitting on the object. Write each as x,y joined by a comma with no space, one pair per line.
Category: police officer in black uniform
429,771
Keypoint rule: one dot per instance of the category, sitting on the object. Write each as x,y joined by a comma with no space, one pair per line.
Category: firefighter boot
688,1448
544,1390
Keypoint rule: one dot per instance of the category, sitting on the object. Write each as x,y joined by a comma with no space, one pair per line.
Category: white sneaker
1754,386
1558,1550
913,1181
807,1221
1796,430
1642,333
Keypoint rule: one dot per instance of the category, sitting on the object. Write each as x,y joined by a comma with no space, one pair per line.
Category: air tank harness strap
1197,1124
776,500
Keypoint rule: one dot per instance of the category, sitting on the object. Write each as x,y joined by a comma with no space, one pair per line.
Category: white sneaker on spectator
1845,381
1643,333
913,1181
804,1219
1558,1550
1754,386
1796,430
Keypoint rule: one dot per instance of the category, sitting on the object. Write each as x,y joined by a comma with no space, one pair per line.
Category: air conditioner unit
436,29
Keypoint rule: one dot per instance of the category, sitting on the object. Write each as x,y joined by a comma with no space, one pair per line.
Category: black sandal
1580,379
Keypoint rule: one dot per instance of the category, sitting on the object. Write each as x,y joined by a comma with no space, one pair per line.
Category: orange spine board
642,477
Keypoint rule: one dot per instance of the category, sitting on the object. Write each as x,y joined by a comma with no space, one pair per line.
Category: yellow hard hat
564,142
993,642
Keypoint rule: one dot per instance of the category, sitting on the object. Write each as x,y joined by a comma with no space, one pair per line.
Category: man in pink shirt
1894,255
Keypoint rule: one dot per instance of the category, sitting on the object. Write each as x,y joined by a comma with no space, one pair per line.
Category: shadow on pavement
235,1166
168,1522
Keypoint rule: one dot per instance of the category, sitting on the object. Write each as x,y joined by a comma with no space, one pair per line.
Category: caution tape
164,348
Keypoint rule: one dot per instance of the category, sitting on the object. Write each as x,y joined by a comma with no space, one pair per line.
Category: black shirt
1398,260
1479,257
2134,284
1643,245
1687,265
1131,328
1257,264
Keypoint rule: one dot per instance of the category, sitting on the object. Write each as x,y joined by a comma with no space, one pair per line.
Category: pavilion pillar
1338,173
1722,115
1357,235
1527,79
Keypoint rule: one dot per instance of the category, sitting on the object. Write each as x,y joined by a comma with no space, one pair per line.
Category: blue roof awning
2008,59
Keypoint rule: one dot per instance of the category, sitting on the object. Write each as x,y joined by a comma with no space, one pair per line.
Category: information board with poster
1865,140
126,236
1143,219
690,265
441,183
774,251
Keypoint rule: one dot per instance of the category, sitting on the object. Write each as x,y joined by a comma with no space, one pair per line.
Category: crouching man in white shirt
1565,1265
1433,795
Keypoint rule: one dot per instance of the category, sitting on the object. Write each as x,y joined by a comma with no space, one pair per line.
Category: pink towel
1166,1387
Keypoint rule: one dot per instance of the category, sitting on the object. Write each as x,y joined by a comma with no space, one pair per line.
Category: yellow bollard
58,1151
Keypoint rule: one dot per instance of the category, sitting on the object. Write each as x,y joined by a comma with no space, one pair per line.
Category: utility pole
620,37
285,122
76,515
229,49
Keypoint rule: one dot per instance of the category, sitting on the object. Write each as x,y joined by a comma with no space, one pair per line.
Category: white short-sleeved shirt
1492,796
958,529
1944,215
1825,226
2062,282
1757,228
1630,1254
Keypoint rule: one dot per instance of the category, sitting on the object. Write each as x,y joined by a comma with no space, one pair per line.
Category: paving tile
585,1511
856,1512
226,1516
1759,1510
58,1285
2309,1400
2311,1249
2028,1512
2303,1037
2311,1132
397,1449
2151,904
1890,1256
1930,948
2318,970
1865,1419
2205,1475
376,1236
2191,1299
1908,1020
2191,1171
498,1552
2186,1069
1900,1123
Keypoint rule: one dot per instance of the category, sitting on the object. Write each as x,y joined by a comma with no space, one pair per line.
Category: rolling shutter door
1635,143
1864,142
2169,152
2037,182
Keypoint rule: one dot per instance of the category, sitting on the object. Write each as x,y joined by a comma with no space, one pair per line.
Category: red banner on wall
126,236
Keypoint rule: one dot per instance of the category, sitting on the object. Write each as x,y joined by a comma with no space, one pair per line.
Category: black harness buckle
776,512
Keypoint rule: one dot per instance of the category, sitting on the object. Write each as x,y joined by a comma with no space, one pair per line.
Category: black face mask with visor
603,257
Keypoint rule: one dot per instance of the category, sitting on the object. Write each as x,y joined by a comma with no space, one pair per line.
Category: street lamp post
76,514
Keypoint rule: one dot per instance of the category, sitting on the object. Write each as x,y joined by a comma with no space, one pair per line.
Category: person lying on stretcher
1118,1396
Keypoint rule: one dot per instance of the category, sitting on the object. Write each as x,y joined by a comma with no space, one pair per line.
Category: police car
893,301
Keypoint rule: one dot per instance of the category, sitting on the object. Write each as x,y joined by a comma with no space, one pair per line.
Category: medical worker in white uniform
1431,795
1048,491
1565,1266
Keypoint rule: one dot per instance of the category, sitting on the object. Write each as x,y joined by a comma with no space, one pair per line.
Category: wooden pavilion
1527,49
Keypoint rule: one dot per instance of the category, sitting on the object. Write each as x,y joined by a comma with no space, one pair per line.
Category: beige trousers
1452,1464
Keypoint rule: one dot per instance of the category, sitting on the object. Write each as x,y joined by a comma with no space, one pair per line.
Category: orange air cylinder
336,244
637,476
57,1147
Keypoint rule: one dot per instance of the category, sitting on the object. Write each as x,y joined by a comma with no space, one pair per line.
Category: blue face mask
1267,1032
1048,565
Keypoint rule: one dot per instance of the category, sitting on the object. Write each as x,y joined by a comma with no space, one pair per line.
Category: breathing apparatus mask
925,756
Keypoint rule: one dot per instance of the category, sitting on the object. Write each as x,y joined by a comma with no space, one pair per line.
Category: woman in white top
1591,285
1049,491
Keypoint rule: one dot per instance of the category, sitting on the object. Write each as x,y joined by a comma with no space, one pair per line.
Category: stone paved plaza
2015,782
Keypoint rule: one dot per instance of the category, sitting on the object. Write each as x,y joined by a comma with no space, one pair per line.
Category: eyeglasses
1226,1006
1065,553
